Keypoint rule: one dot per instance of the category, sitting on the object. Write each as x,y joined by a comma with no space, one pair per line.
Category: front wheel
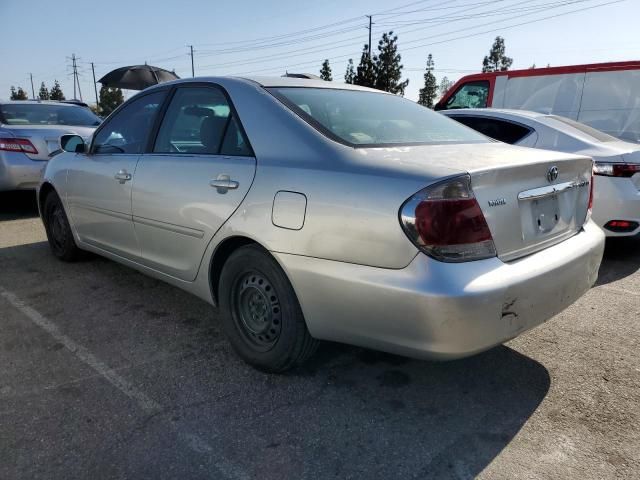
261,314
59,233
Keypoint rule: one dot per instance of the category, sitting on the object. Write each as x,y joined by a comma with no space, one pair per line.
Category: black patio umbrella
137,77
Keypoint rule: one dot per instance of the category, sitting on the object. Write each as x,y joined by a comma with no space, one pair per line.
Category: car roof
268,82
65,103
496,112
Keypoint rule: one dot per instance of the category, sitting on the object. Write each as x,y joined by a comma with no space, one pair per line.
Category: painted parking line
144,402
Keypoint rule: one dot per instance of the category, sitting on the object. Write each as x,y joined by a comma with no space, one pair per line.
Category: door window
128,130
200,121
470,95
500,130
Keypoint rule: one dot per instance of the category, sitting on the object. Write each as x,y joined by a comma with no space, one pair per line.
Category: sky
262,37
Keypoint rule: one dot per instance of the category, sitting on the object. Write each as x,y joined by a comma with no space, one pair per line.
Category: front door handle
122,176
223,183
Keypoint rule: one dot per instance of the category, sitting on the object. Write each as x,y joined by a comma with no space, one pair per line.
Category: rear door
99,183
196,175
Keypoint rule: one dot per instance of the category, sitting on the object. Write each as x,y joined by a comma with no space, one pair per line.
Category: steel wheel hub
258,309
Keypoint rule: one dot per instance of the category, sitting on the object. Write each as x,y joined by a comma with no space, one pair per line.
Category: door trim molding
190,232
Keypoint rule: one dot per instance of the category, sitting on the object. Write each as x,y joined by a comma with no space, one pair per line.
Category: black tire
59,233
261,314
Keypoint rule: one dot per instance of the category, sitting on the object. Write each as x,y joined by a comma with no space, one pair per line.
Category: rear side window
127,131
199,120
500,130
469,95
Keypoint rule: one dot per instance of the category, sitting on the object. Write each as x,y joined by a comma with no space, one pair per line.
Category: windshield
47,114
585,129
360,118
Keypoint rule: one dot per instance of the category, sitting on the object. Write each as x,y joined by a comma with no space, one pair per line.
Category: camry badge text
497,202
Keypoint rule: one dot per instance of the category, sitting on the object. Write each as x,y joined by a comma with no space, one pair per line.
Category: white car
617,163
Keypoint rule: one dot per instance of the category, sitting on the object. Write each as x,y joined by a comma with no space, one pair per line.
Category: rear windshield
47,114
360,118
585,129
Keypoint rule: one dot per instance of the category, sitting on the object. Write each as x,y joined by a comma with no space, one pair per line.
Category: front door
200,169
100,182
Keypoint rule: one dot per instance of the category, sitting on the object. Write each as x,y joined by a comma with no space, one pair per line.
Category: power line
279,68
320,48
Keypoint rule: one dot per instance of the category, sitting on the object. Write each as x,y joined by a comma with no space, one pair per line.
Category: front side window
199,120
469,95
361,118
128,130
47,114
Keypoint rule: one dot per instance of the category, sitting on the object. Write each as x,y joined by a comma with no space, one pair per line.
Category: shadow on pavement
621,259
16,205
349,413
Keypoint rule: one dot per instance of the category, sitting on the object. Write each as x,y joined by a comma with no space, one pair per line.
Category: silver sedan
308,210
30,134
617,162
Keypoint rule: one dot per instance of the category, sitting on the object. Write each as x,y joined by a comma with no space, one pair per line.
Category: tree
497,61
43,94
445,85
20,94
388,69
56,92
350,74
110,99
366,71
325,71
429,92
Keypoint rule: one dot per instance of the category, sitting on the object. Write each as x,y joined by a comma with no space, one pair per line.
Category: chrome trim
542,192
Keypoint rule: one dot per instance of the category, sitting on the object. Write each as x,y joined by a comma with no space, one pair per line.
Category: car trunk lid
510,184
535,203
46,139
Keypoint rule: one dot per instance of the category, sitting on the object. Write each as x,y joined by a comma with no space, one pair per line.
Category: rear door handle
122,176
223,183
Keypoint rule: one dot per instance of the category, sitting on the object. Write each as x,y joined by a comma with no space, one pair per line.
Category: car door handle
223,183
122,176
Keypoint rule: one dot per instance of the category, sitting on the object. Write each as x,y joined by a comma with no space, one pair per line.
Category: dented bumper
441,310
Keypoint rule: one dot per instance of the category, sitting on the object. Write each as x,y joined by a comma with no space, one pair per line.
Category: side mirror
72,143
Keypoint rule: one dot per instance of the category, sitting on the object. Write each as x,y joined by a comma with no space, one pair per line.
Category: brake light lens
445,222
590,206
624,170
17,145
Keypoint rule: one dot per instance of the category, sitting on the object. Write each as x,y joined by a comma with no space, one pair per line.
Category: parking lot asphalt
106,373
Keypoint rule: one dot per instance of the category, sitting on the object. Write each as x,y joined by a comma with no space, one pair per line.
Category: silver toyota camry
308,210
30,134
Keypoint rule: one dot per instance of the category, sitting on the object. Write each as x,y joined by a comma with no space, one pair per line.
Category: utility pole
193,72
95,88
76,79
33,92
73,59
370,17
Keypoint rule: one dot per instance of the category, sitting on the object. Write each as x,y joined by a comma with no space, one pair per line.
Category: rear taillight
590,205
17,145
446,222
621,226
625,170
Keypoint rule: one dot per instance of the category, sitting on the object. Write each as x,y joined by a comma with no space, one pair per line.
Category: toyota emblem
552,174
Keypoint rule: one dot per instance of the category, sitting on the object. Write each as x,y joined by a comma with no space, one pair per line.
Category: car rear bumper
616,199
19,172
441,310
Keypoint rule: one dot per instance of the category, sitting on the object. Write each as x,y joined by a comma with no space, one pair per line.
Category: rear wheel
261,314
58,229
